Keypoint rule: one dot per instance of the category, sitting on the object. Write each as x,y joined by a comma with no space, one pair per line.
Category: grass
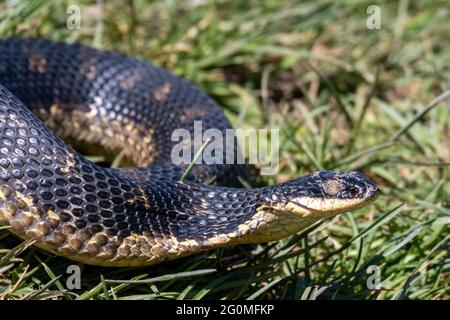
343,96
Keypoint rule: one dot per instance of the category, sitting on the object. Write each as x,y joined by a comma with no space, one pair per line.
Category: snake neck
215,215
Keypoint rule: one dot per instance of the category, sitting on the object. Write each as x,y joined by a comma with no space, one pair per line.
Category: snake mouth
307,205
318,205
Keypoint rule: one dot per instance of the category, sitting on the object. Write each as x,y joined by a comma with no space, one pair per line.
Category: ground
347,90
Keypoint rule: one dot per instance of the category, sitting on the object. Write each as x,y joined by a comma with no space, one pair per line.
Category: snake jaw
325,193
290,216
310,206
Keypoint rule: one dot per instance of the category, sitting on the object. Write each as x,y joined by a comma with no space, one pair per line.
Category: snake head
324,193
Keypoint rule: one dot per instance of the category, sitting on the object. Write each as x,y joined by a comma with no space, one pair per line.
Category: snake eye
353,192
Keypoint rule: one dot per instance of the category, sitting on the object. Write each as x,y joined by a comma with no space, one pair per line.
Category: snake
57,97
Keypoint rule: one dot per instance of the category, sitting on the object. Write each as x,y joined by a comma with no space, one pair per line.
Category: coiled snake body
136,216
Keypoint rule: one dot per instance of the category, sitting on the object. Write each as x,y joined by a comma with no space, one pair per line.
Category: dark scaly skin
138,216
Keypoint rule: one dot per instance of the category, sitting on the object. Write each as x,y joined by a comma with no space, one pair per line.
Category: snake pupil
353,191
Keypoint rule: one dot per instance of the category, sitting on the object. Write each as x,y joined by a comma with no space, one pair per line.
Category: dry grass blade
442,97
15,252
167,277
